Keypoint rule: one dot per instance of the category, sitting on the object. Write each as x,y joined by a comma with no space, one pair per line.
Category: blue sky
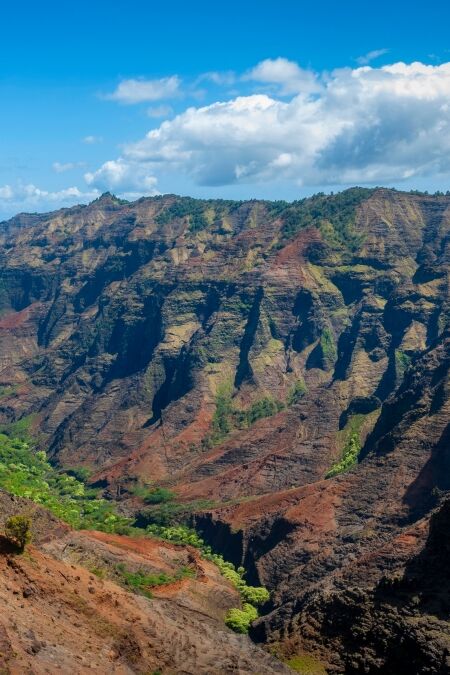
245,99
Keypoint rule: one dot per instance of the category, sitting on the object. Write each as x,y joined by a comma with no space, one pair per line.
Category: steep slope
243,355
63,610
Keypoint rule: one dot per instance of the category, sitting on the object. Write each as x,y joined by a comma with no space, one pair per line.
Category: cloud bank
353,125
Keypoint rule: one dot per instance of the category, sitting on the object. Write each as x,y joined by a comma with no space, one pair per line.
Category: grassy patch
296,393
142,582
306,665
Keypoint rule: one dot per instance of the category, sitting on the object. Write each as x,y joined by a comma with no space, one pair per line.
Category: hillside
274,374
64,608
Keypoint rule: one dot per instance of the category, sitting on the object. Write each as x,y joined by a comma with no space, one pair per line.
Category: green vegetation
337,210
307,665
186,207
328,347
159,495
142,582
227,417
351,437
170,513
402,361
7,390
240,620
19,429
196,211
18,530
251,596
223,413
28,474
264,407
296,393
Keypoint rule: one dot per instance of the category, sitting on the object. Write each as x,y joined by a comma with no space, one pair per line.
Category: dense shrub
18,530
159,495
239,620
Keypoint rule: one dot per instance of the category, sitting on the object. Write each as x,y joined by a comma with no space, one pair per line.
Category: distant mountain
279,372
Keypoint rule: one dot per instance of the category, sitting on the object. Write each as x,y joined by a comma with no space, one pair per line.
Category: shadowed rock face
149,341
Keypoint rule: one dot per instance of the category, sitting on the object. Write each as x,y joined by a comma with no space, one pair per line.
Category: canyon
280,370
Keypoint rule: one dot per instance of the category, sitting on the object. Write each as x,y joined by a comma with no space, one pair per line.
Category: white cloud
364,125
138,91
286,75
159,111
59,167
92,140
29,197
221,78
123,177
371,56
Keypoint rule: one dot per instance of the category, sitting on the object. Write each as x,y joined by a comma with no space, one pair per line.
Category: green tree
18,530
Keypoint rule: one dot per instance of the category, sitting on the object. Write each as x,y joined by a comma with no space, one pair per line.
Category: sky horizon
236,102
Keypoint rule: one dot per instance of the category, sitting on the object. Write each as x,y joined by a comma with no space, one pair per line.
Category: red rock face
239,363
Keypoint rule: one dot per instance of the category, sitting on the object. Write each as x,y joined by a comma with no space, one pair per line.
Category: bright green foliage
18,530
351,438
255,595
239,620
252,596
29,475
349,457
297,392
178,534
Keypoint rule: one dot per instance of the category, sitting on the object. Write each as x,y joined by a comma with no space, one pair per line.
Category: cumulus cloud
29,197
139,91
362,125
124,178
371,56
286,75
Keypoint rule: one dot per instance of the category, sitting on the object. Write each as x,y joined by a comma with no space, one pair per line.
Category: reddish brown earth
123,324
57,616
